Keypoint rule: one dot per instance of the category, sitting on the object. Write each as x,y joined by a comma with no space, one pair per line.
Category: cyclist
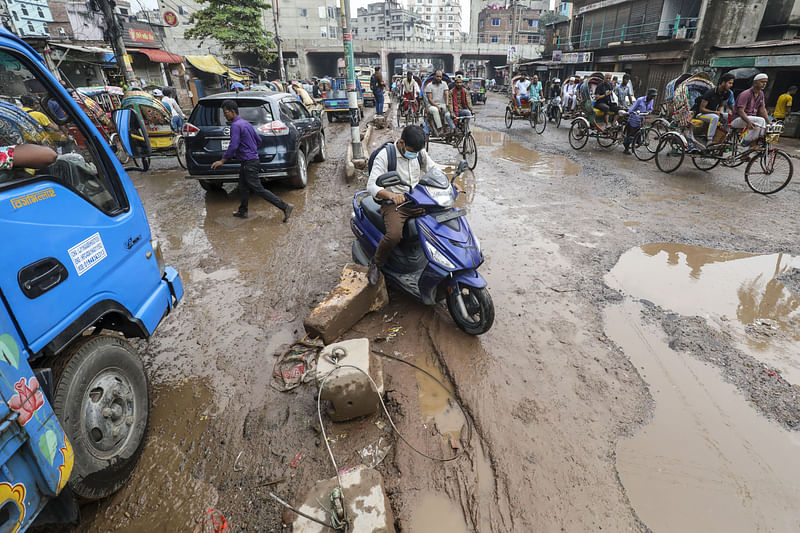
641,106
709,107
535,93
751,111
459,103
410,91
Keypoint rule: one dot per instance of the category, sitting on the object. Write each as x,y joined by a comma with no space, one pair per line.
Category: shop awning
87,49
209,63
158,56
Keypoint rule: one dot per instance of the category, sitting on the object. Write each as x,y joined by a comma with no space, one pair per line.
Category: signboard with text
140,35
578,57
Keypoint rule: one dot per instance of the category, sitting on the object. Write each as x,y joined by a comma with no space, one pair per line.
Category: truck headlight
438,256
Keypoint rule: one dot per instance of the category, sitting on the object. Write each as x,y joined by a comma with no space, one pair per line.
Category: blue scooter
438,255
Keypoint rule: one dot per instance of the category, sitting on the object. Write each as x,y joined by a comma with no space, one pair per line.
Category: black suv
290,137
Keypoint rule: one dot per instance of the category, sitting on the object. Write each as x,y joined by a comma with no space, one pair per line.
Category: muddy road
642,372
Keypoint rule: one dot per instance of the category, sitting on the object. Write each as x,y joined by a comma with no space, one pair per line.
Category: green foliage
548,17
236,24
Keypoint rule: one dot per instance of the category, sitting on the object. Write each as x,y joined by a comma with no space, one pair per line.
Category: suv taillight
275,127
189,130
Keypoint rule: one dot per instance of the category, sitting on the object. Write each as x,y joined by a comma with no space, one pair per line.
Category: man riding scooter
411,160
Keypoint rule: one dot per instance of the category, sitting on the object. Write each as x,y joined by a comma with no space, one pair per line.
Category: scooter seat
372,210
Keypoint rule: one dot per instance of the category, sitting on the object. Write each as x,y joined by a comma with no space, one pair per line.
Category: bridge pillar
456,61
387,75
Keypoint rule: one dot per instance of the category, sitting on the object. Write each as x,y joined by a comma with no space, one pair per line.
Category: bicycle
772,173
408,112
460,138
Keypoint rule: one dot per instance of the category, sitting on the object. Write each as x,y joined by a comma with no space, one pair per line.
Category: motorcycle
438,256
553,110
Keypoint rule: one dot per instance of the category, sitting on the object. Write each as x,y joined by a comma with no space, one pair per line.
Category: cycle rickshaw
158,124
460,138
536,117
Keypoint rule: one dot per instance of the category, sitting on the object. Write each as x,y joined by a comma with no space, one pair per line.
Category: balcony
677,28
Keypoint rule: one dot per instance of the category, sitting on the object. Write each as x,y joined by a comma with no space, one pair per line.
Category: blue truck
80,276
336,104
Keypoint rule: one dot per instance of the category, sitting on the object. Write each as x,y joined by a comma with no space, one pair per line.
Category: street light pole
114,35
281,66
352,92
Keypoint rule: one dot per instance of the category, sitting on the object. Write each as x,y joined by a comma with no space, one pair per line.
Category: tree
548,17
236,24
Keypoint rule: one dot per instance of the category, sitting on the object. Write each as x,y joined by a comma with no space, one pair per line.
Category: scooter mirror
389,179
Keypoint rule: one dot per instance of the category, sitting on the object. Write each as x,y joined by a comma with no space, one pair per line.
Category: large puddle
436,513
435,404
735,291
707,461
532,161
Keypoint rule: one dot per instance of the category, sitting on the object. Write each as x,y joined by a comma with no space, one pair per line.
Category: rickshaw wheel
509,117
469,150
142,163
180,151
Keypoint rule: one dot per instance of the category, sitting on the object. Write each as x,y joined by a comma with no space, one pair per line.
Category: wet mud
569,410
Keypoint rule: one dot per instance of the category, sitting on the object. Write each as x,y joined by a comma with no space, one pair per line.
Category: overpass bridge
310,57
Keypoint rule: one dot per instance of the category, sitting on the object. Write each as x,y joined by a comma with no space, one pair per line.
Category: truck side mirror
132,133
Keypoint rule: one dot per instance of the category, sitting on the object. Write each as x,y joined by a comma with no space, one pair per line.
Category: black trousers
249,181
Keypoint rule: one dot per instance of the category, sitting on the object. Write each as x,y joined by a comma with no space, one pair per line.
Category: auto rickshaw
477,90
158,123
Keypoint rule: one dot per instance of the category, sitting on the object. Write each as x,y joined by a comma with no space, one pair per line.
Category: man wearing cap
459,103
642,106
568,94
752,114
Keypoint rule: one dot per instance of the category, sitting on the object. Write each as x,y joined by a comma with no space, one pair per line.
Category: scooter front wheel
471,308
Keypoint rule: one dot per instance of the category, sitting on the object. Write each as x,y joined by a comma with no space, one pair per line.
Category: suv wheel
322,154
299,178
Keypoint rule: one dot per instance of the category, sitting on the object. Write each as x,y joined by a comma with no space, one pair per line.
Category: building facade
307,19
381,21
477,6
29,18
512,25
443,15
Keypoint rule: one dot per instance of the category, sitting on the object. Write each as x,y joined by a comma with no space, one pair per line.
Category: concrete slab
365,499
350,391
352,298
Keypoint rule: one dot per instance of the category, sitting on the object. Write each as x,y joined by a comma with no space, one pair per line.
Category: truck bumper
175,285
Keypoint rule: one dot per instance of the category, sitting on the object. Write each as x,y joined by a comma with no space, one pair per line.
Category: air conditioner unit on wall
292,61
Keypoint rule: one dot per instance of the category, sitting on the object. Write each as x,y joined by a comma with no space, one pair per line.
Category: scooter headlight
438,256
442,197
477,242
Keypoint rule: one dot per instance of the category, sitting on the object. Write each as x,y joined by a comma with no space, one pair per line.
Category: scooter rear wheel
471,308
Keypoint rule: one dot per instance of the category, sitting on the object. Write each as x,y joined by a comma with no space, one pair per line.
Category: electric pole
114,36
281,67
352,91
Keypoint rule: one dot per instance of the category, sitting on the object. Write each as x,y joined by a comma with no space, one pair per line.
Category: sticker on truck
87,253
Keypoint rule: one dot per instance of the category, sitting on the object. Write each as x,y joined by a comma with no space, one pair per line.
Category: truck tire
102,400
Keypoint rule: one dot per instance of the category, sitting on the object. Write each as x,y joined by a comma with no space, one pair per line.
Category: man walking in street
751,111
377,85
244,148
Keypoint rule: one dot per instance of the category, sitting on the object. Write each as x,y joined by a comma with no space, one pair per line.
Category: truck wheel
102,401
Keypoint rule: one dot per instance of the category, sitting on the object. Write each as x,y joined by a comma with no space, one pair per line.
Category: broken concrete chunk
349,390
352,298
364,497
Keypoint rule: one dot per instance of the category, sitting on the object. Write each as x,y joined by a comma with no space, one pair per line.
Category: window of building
41,13
24,9
495,22
123,10
323,31
532,23
305,27
16,17
427,17
532,38
302,12
182,10
322,12
331,12
480,23
31,28
495,39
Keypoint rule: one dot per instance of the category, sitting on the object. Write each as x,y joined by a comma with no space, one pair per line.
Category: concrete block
349,390
352,298
365,499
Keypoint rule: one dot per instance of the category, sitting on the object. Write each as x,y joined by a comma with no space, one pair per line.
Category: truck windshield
31,113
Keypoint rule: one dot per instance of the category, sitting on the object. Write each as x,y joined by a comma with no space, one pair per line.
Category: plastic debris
374,454
380,424
213,521
296,366
297,460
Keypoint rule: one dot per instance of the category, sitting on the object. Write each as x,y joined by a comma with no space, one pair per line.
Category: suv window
294,109
28,117
210,113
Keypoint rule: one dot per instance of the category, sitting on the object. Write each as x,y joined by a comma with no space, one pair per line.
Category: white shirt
522,86
436,93
408,169
176,109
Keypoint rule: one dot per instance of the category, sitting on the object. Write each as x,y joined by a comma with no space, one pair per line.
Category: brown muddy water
734,291
533,161
707,461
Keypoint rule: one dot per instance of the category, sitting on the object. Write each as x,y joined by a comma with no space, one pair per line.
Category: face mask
409,155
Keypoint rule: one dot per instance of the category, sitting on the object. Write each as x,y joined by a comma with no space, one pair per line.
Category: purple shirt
244,141
750,102
642,105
